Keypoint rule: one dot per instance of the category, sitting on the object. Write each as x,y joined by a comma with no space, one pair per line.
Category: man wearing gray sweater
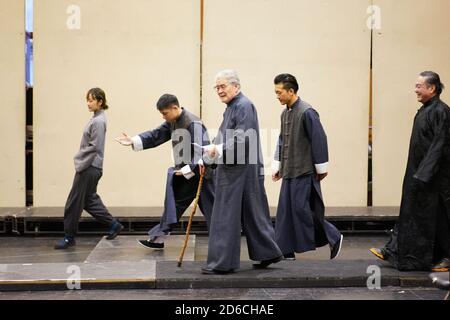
89,169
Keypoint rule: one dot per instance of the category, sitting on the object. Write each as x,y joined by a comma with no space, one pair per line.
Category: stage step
167,275
70,276
138,220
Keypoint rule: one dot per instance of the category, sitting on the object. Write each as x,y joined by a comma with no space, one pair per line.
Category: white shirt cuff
219,149
137,143
275,166
187,172
321,168
206,156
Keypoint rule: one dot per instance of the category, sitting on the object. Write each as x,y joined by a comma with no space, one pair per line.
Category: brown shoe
378,253
442,266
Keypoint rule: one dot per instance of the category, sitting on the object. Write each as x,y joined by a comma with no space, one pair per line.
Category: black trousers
184,192
83,195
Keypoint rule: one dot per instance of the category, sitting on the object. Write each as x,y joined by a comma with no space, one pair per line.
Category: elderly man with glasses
241,200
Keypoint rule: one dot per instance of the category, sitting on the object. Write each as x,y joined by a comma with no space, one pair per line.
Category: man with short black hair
301,160
420,239
184,129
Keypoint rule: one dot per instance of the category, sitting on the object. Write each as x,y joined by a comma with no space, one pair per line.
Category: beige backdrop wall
326,44
413,38
134,50
12,104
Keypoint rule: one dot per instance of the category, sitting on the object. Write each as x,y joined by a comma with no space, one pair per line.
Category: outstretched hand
124,140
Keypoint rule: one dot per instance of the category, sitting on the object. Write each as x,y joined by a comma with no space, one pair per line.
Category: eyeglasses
221,86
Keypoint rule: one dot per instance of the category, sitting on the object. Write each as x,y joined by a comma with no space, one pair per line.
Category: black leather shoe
206,270
440,280
265,263
115,230
289,256
151,245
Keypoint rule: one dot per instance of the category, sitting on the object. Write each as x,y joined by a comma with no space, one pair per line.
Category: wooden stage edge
155,212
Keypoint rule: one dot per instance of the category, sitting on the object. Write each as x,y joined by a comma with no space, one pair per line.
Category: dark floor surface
385,293
25,250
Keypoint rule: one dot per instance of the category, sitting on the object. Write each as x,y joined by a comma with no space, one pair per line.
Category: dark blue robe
241,200
300,222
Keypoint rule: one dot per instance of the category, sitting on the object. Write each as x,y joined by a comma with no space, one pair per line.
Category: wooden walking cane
180,259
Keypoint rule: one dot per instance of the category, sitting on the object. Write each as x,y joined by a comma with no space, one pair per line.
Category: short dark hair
288,81
166,101
433,79
99,95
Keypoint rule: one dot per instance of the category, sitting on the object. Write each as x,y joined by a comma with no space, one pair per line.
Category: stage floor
31,263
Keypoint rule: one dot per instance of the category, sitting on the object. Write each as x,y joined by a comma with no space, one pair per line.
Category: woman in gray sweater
88,166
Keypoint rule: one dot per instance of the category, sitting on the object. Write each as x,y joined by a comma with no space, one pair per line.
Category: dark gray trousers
83,195
240,204
180,193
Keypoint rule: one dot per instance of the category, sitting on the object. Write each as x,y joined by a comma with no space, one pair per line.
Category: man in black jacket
420,239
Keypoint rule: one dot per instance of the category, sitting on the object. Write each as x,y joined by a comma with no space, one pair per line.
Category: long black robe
426,190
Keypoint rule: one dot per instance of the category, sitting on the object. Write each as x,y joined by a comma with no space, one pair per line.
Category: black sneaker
151,245
115,230
65,243
289,256
336,249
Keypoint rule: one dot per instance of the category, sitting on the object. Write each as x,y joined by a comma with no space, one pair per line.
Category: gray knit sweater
92,143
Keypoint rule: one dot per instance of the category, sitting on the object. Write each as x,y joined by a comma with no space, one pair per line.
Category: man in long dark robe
420,239
184,129
301,161
241,200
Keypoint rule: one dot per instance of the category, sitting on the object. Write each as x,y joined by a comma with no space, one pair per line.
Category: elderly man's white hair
229,75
